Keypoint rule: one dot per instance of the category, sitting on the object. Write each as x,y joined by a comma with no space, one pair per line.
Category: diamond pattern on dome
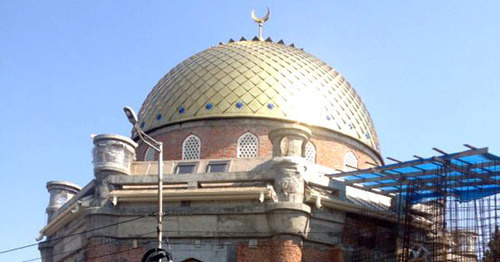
298,86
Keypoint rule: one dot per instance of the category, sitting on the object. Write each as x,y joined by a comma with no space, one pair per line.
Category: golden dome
258,79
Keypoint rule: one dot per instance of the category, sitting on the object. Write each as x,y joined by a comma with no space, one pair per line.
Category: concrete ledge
202,194
62,219
185,178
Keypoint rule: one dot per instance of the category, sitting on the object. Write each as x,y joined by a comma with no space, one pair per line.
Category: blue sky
428,71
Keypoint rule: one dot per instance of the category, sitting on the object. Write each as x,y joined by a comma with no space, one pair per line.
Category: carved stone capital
60,192
113,153
289,141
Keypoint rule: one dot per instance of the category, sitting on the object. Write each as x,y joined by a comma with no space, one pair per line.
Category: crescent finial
260,21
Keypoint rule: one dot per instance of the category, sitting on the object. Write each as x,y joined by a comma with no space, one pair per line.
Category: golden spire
261,21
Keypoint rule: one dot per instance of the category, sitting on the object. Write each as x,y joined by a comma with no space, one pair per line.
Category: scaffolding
444,208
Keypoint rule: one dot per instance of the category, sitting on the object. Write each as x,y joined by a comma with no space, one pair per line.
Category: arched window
149,155
350,162
191,148
310,152
248,146
191,260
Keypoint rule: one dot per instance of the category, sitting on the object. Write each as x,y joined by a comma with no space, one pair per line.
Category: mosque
267,154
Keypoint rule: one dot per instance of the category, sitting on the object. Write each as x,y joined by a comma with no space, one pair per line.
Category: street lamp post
158,147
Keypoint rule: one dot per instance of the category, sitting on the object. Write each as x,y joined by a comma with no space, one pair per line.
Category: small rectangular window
185,168
215,167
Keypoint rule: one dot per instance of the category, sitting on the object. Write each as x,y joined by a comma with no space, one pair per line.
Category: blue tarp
466,175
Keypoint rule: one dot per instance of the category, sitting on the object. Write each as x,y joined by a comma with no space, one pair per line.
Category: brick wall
281,249
331,153
216,141
112,250
312,254
278,249
219,140
288,249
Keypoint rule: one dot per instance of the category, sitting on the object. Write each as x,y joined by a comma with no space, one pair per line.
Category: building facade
251,129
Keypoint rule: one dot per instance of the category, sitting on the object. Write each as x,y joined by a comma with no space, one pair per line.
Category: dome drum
219,140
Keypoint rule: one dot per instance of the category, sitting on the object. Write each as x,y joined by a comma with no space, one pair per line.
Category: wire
184,243
175,243
126,221
149,242
87,247
137,218
171,243
121,251
166,214
70,235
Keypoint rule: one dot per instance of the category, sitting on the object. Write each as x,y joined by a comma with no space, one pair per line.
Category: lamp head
132,117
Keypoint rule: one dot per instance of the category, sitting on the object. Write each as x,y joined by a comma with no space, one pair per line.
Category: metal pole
260,32
160,195
157,146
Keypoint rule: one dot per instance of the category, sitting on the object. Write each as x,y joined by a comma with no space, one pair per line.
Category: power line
149,242
86,247
265,234
140,217
182,243
179,243
70,235
121,251
118,223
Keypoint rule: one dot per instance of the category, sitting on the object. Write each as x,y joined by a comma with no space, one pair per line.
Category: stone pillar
289,164
289,217
113,153
60,192
289,141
